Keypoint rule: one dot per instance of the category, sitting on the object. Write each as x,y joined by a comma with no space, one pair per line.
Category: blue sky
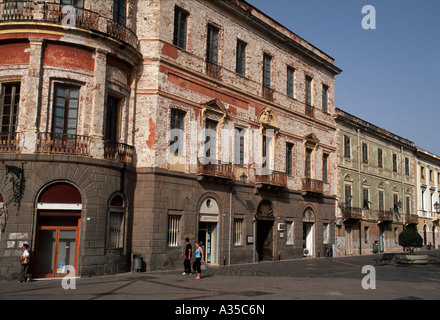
391,75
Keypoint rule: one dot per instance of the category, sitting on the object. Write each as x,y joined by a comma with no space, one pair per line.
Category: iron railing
118,151
30,11
73,144
9,142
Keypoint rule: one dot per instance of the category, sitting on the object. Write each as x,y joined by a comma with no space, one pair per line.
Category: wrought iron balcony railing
73,144
385,216
312,185
31,11
118,151
352,213
270,177
220,170
9,141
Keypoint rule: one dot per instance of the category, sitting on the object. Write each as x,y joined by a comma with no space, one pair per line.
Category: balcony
385,216
310,111
213,70
8,142
411,219
220,172
270,179
27,11
352,213
59,143
118,152
312,187
268,93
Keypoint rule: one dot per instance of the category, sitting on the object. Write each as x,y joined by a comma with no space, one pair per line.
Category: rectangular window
408,205
173,230
366,235
240,67
364,153
309,83
396,202
379,158
308,163
326,233
10,98
239,147
65,110
289,158
238,233
347,147
116,230
381,201
366,199
267,62
212,45
290,81
113,121
177,131
211,141
407,166
120,11
325,98
289,232
180,27
394,162
325,164
348,196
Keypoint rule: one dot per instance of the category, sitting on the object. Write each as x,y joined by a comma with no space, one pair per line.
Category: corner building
160,120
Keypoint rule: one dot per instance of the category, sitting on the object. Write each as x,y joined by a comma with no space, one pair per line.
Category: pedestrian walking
24,263
199,260
187,253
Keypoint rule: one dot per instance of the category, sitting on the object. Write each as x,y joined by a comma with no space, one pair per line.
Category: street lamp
437,207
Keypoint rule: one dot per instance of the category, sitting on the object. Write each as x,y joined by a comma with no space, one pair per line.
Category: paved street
303,279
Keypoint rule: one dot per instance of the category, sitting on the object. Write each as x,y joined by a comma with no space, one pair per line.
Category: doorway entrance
57,245
265,221
207,234
58,231
308,232
208,241
265,239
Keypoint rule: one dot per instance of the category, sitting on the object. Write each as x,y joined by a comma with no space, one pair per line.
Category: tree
411,239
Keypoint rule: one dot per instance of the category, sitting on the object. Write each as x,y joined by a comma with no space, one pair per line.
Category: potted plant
410,239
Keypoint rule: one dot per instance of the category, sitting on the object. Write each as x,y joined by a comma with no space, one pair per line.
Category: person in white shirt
24,262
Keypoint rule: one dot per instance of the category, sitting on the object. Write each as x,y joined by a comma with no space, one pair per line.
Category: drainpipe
230,225
359,188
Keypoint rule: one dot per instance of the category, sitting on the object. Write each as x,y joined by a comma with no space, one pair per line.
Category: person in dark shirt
187,254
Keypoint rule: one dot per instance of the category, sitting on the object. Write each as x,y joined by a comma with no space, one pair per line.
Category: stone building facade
146,122
376,193
427,168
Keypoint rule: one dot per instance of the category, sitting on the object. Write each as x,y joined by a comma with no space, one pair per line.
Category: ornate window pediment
214,109
268,119
311,140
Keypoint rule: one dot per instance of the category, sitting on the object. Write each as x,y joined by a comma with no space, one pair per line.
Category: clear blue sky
391,75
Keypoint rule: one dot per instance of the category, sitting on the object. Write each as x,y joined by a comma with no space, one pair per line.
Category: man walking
187,254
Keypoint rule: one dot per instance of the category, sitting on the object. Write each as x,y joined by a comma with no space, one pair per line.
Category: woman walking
24,263
199,260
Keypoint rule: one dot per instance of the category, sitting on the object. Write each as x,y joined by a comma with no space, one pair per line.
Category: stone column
30,100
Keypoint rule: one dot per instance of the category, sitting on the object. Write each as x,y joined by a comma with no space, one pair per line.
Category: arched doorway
308,232
57,236
265,220
208,229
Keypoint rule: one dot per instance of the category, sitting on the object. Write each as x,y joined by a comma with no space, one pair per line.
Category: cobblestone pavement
338,278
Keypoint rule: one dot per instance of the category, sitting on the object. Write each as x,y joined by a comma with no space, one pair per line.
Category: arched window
116,222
